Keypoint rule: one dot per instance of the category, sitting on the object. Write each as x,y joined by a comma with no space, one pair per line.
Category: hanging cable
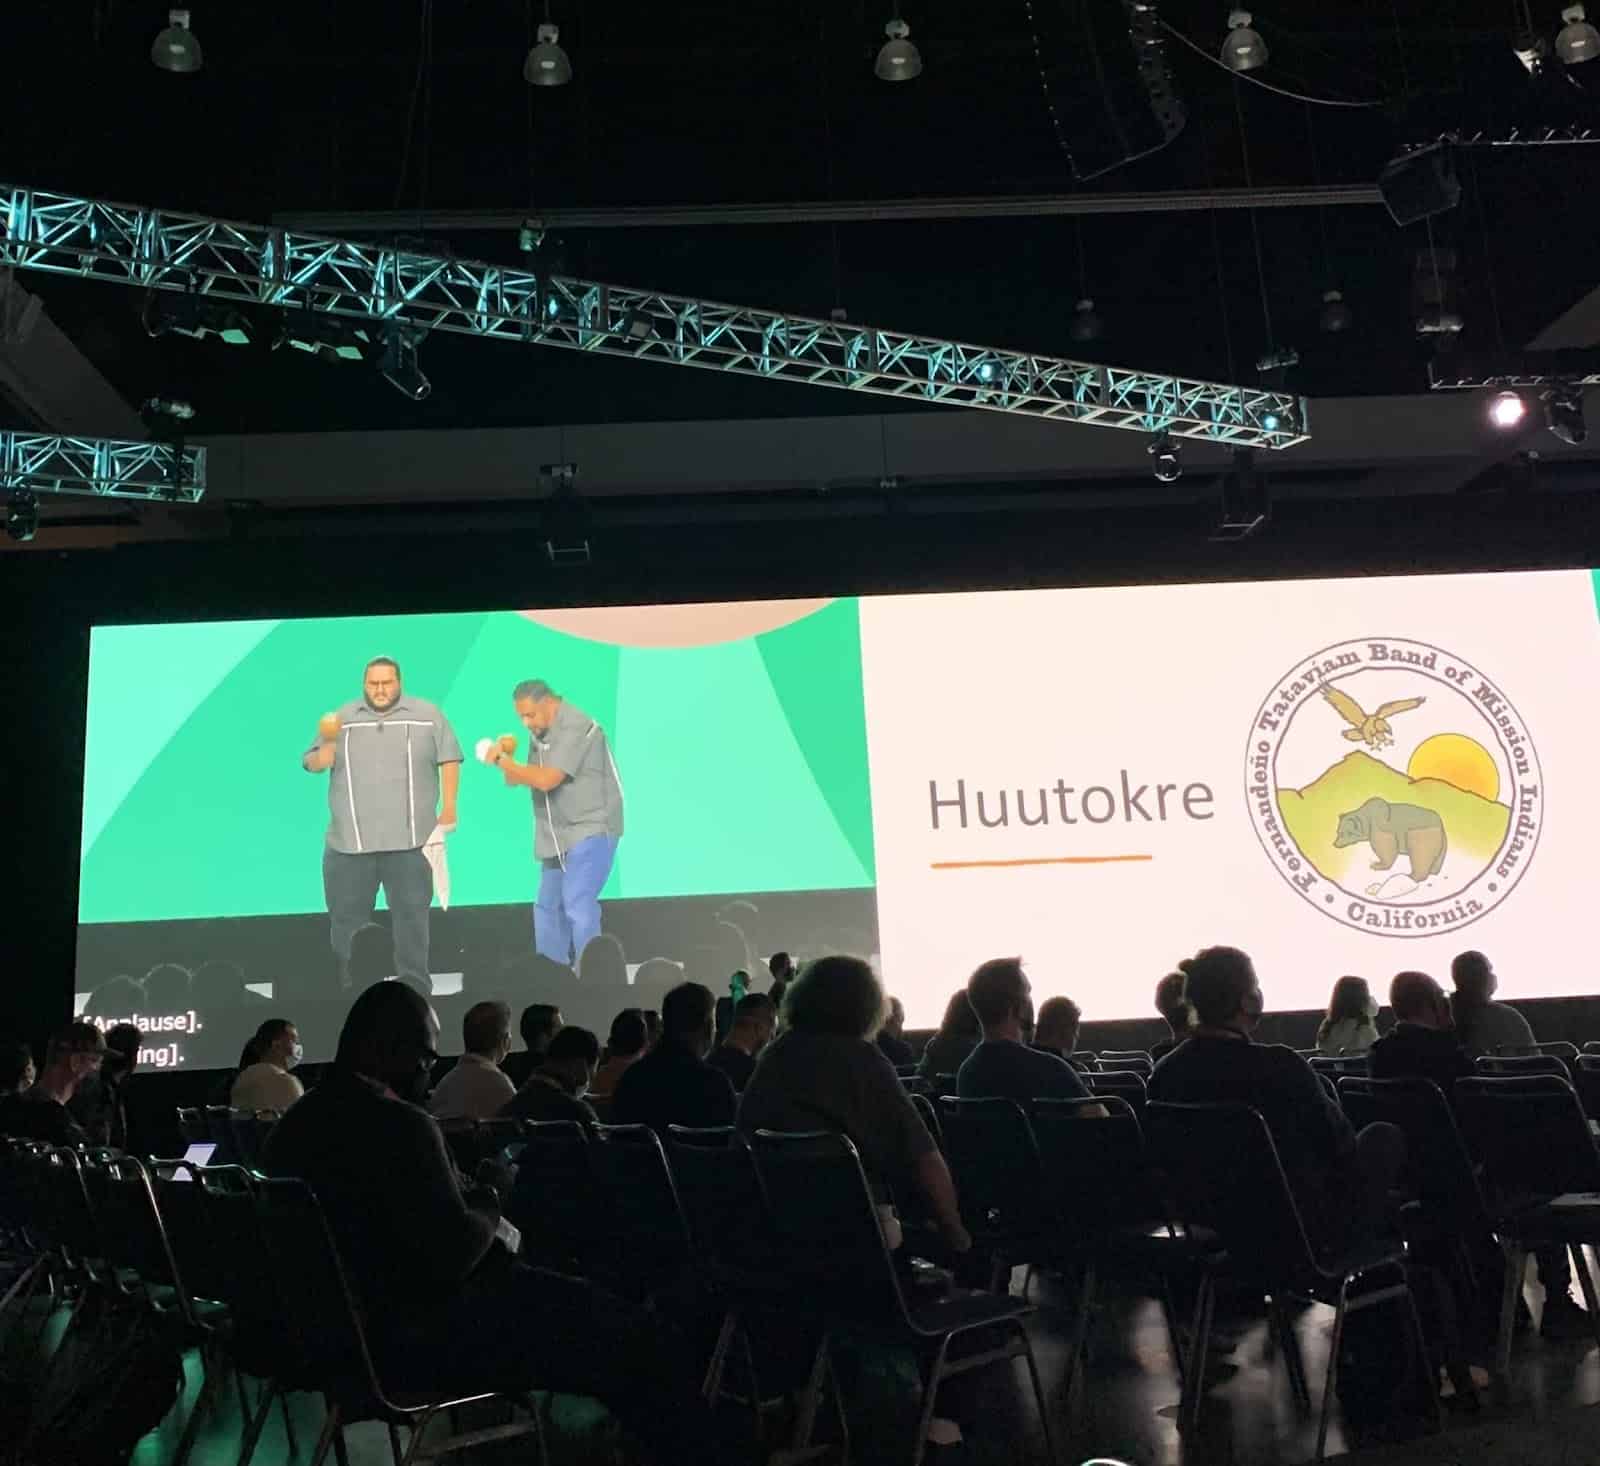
1256,81
424,9
1255,223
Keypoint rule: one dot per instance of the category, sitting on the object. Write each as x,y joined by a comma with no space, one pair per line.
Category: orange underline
1036,860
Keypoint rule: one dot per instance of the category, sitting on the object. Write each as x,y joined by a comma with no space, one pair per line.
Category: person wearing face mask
477,1088
40,1113
447,1301
1349,1026
1341,1180
264,1081
557,1089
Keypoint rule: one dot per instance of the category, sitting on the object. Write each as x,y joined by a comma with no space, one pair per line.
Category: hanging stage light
547,64
898,57
1563,413
1507,410
1577,41
328,338
1086,323
399,365
1164,460
1335,315
22,515
176,48
188,315
1243,50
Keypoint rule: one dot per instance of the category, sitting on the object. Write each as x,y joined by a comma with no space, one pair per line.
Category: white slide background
1016,689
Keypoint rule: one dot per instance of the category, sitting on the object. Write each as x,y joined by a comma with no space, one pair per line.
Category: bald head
1417,998
391,1035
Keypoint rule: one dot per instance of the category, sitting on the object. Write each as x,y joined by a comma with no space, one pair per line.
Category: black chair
462,1140
1126,1086
924,1106
1114,1055
1225,1177
1084,1059
1586,1079
250,1131
645,1241
193,1125
219,1128
315,1294
833,1245
552,1198
1139,1064
1560,1049
1337,1066
1520,1066
1541,1174
1592,1047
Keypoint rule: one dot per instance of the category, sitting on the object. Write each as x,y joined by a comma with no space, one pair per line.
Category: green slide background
743,763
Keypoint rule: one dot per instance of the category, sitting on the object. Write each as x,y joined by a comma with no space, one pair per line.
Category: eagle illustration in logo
1371,729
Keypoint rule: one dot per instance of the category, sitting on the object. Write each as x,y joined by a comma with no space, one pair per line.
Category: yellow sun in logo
1458,760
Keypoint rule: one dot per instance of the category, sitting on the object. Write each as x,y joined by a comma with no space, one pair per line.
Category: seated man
624,1046
1340,1180
99,1104
40,1113
892,1036
476,1088
540,1022
446,1301
1002,1066
1056,1031
556,1089
1483,1025
1174,1007
754,1019
673,1084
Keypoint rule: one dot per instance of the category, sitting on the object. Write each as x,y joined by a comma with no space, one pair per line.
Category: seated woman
264,1081
1348,1027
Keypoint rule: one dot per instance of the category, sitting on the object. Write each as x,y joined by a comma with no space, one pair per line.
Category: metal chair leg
288,1422
930,1396
395,1452
1289,1347
254,1421
711,1386
1169,1314
1080,1335
331,1432
1429,1376
1580,1265
806,1411
1199,1350
1516,1260
1331,1378
1038,1395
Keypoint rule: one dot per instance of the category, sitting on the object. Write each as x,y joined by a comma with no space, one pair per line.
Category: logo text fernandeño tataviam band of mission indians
1394,787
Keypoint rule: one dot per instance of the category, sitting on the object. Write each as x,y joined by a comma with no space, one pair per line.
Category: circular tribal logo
1394,787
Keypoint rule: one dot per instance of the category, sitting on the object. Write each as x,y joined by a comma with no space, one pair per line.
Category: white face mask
1370,1008
296,1054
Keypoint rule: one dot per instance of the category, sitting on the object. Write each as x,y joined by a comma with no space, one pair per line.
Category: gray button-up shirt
383,789
589,800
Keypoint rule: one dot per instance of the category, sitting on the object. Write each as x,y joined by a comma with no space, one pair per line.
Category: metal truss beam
1533,369
156,250
105,468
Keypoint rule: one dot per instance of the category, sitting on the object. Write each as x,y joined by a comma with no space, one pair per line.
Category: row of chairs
239,1135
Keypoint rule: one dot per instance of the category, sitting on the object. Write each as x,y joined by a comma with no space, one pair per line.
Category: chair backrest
182,1203
1095,1169
1438,1167
1586,1078
315,1293
132,1229
827,1226
261,1334
1592,1047
1087,1058
219,1126
995,1162
1133,1064
720,1193
1509,1066
501,1136
1115,1054
461,1136
250,1131
71,1207
924,1106
1529,1134
646,1238
1129,1087
552,1199
1560,1048
1338,1065
1223,1171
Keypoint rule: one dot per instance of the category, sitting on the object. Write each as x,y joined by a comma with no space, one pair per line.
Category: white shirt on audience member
265,1086
476,1089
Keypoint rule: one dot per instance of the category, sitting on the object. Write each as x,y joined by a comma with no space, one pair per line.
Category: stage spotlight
1164,460
177,48
185,315
1086,323
1243,50
1335,315
399,365
1577,41
1563,413
547,64
986,372
898,58
1507,410
22,515
326,337
1271,421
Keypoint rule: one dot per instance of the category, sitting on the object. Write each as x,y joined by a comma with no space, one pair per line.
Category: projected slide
1342,776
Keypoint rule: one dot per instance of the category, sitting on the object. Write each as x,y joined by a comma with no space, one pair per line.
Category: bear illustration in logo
1395,828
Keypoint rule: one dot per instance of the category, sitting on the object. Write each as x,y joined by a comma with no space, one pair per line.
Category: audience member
754,1019
1002,1066
16,1069
40,1113
781,966
673,1084
1056,1030
98,1104
1348,1027
556,1089
892,1036
264,1081
446,1303
824,1072
624,1046
1341,1180
1174,1007
1484,1026
957,1037
476,1089
540,1022
168,989
603,963
1423,1043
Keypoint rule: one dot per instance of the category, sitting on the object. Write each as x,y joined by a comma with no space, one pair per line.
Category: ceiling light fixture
1086,323
1243,50
22,515
1507,410
1335,315
177,48
898,57
1577,41
548,65
399,365
1164,460
1563,413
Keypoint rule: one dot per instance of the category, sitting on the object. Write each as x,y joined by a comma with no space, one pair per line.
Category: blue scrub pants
566,916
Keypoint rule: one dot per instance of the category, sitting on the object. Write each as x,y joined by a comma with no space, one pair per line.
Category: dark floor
1124,1407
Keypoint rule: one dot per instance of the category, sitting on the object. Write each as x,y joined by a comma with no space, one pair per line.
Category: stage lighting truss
106,468
248,264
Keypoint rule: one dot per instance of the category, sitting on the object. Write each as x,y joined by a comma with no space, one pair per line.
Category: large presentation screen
1341,776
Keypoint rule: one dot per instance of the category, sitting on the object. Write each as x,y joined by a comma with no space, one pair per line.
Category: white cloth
439,863
474,1090
265,1086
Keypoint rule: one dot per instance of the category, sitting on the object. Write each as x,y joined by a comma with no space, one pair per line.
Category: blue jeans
566,916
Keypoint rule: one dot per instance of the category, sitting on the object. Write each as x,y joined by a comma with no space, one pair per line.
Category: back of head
371,954
167,988
386,1019
538,1025
835,995
959,1020
998,991
1170,1001
1415,997
1349,999
74,1039
486,1029
628,1034
573,1044
687,1014
781,966
122,1042
1218,983
756,1012
1057,1024
603,963
1473,977
117,998
261,1040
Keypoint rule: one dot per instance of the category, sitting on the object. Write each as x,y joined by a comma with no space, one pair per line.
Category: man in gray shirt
577,815
1482,1025
393,760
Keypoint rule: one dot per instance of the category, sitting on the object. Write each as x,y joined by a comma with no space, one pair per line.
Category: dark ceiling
379,104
